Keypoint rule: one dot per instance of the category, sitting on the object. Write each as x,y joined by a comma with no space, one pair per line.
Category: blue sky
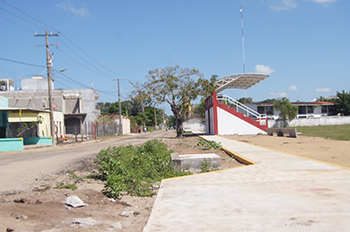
303,44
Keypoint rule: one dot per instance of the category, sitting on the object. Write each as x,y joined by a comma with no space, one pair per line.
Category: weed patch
62,185
133,169
207,166
209,145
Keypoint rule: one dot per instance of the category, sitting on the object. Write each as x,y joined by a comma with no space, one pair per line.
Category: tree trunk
179,121
179,126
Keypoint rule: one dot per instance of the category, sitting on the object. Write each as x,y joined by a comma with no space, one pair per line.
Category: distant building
77,105
305,109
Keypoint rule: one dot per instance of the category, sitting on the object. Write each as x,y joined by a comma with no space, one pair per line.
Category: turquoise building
6,143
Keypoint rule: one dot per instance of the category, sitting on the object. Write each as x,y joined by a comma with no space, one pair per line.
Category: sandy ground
326,150
40,208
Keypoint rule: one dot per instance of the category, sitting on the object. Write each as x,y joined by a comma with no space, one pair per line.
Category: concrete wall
44,127
59,122
126,126
35,84
39,100
194,124
315,121
229,124
4,102
11,144
88,97
33,100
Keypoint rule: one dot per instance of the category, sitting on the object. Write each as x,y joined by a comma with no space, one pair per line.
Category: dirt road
19,170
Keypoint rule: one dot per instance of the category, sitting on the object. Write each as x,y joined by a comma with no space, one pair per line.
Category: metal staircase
241,108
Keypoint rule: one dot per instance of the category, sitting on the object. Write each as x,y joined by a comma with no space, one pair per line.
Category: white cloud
67,6
259,68
293,87
175,56
324,1
284,5
279,94
323,90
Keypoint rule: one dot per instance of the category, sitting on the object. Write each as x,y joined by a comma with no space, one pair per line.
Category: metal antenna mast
242,39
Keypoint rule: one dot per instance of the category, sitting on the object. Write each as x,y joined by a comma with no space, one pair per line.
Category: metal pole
243,51
120,112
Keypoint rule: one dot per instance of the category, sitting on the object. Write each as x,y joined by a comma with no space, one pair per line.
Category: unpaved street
19,170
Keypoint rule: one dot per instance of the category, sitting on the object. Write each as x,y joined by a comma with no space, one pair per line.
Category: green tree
342,103
208,86
287,111
244,100
199,109
176,86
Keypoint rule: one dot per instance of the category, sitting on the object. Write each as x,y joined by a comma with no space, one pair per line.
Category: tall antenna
242,39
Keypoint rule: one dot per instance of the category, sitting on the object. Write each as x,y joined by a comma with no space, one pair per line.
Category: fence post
94,131
75,133
81,131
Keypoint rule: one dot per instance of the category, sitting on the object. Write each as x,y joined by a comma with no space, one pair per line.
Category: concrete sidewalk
280,193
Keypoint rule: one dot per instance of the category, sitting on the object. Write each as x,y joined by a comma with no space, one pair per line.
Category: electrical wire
17,24
105,74
24,63
29,16
92,57
21,18
68,78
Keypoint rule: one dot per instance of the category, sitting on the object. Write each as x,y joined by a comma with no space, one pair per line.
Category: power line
29,16
59,39
24,63
84,59
21,18
17,24
92,57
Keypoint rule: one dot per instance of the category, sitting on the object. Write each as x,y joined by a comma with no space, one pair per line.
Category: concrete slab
280,193
194,162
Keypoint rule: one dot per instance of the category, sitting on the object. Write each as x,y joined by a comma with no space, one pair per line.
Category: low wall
37,140
194,125
315,121
11,144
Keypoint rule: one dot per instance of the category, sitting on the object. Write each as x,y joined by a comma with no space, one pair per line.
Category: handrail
249,112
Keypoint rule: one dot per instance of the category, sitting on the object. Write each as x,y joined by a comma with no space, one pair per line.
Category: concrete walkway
280,193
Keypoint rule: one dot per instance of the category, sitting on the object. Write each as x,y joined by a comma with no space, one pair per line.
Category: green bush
209,145
133,169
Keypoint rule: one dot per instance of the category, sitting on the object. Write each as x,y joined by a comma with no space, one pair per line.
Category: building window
302,110
310,109
324,109
261,109
269,110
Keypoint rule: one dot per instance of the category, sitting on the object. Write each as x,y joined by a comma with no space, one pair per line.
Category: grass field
336,132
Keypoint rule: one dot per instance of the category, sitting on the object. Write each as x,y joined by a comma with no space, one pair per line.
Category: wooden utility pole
120,108
155,117
48,66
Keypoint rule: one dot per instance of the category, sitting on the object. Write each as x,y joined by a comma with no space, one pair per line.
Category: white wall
194,124
229,124
314,121
126,126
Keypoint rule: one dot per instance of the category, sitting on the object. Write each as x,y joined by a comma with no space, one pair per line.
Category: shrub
133,169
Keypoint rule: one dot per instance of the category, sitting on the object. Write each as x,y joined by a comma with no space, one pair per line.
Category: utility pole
120,108
155,117
48,66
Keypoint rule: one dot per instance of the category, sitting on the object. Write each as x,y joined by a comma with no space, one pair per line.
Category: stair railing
248,112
